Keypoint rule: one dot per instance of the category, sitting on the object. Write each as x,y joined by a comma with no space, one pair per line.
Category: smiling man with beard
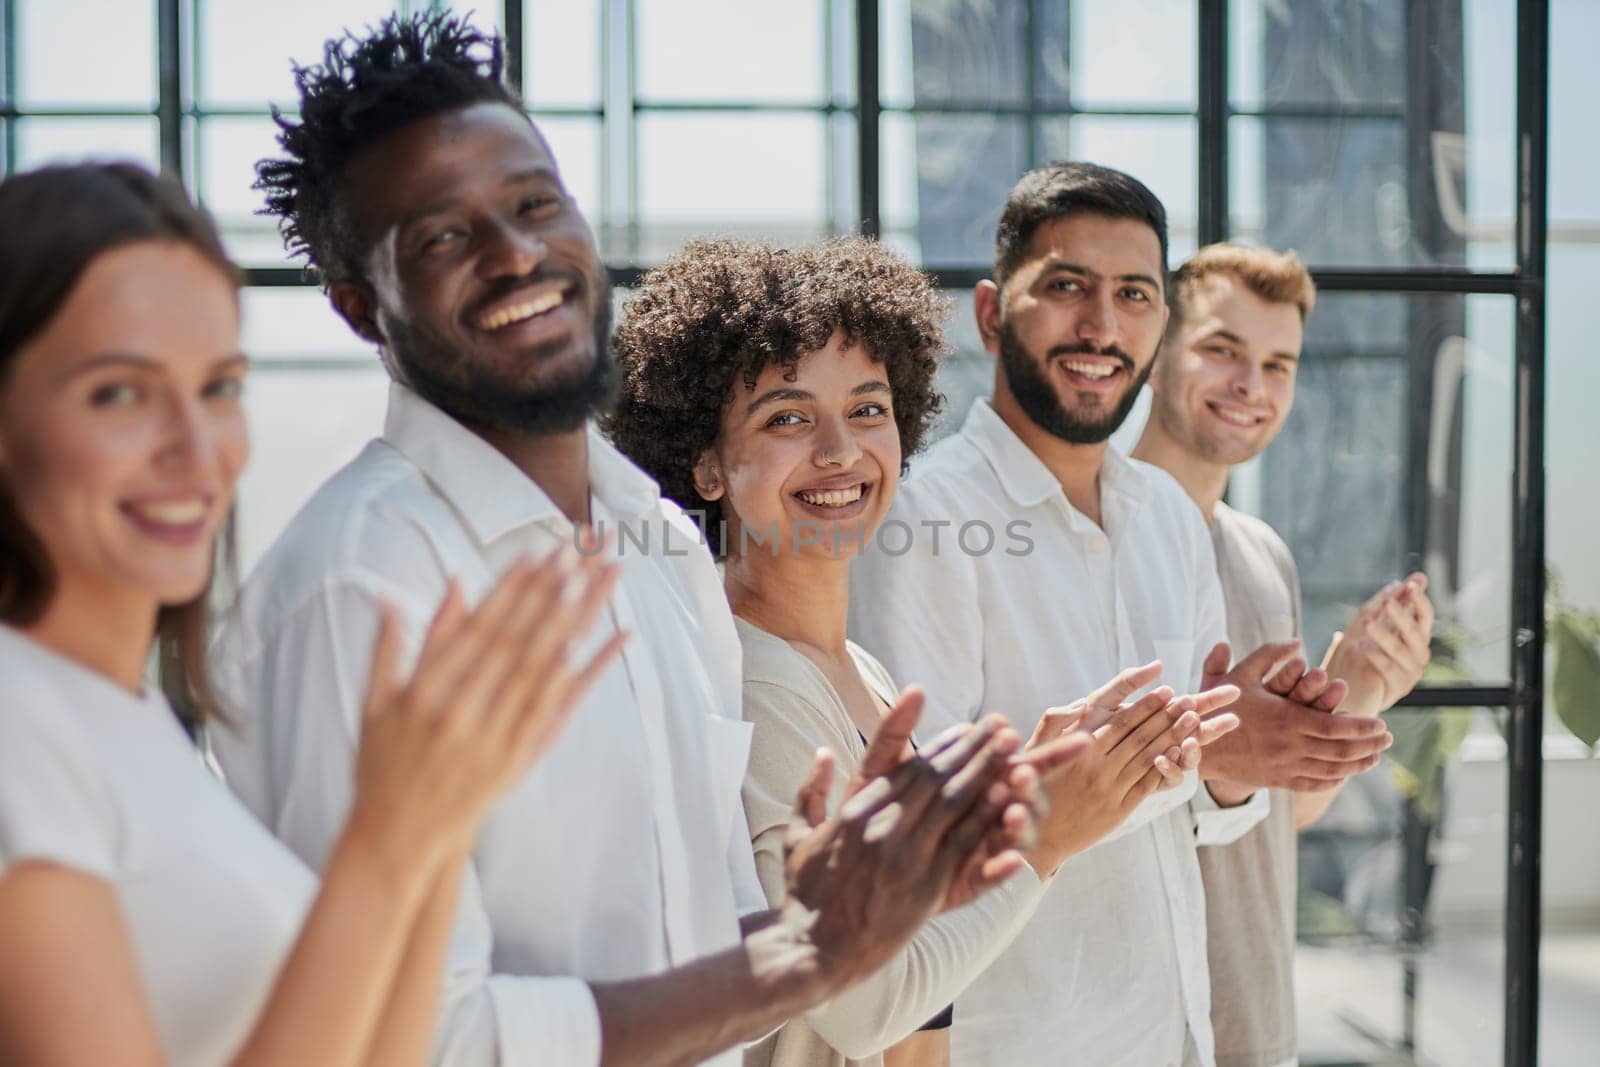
1112,968
611,910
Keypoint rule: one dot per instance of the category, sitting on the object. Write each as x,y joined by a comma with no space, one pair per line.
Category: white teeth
1235,417
1091,370
175,514
519,312
832,498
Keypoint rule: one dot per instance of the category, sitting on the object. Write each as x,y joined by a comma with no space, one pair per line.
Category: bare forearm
406,1028
328,999
694,1012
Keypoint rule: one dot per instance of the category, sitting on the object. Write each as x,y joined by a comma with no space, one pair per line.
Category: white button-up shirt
1112,969
625,851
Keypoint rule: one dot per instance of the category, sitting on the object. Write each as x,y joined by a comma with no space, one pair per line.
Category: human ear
708,477
356,307
986,309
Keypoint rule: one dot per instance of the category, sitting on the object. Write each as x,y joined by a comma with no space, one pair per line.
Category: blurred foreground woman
145,915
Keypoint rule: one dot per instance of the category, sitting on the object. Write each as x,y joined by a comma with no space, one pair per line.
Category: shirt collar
1024,476
492,496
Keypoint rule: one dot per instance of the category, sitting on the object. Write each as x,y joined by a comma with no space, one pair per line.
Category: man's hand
1286,739
1120,754
1382,652
862,882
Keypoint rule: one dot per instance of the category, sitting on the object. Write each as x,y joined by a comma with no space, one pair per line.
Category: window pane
245,50
945,180
1130,53
230,148
42,141
304,426
1403,885
90,52
967,54
576,145
1339,52
713,50
562,61
1402,417
1161,152
762,175
297,323
1384,134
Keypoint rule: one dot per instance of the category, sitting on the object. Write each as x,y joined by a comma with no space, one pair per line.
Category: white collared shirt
625,851
1112,969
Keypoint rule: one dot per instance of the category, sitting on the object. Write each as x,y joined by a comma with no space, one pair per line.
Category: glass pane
304,426
297,323
1570,957
1161,152
966,373
1130,53
62,61
1336,53
562,62
42,141
575,143
956,54
762,175
229,151
245,50
1402,898
716,50
945,180
1363,157
1402,416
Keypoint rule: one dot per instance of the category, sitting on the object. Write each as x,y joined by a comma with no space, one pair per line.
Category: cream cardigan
795,711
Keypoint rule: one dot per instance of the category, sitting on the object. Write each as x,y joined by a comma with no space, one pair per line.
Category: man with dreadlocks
611,912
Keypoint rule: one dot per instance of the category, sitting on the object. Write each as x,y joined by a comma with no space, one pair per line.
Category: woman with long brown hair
146,916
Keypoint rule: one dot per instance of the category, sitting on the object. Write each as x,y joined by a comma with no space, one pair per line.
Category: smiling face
1225,381
121,428
813,457
1077,324
483,284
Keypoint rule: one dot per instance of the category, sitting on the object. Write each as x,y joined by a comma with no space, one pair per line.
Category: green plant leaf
1575,682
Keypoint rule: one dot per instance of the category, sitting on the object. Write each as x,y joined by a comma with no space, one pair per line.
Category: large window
1399,147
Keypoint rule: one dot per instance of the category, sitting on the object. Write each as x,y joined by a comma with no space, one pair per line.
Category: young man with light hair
1222,386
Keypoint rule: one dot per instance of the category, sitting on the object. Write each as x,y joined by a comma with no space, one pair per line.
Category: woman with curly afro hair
776,392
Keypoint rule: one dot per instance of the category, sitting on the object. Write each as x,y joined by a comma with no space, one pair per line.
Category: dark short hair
57,221
721,311
366,87
1057,190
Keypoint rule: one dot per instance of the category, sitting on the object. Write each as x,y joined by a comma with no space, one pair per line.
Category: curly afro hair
722,310
365,88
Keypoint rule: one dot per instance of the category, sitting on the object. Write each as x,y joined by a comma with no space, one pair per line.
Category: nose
835,444
1248,383
190,441
510,251
1097,320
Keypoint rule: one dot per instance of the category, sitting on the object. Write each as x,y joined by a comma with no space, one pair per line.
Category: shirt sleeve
1216,825
944,956
54,804
918,611
303,684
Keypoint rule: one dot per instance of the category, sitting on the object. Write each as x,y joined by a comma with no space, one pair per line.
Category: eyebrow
1074,268
440,207
136,362
772,396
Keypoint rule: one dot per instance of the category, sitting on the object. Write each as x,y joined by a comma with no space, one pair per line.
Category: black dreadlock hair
365,88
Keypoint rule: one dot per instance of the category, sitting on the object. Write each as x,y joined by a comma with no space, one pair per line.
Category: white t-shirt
101,781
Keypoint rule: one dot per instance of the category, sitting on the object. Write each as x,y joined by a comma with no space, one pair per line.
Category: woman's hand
491,691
